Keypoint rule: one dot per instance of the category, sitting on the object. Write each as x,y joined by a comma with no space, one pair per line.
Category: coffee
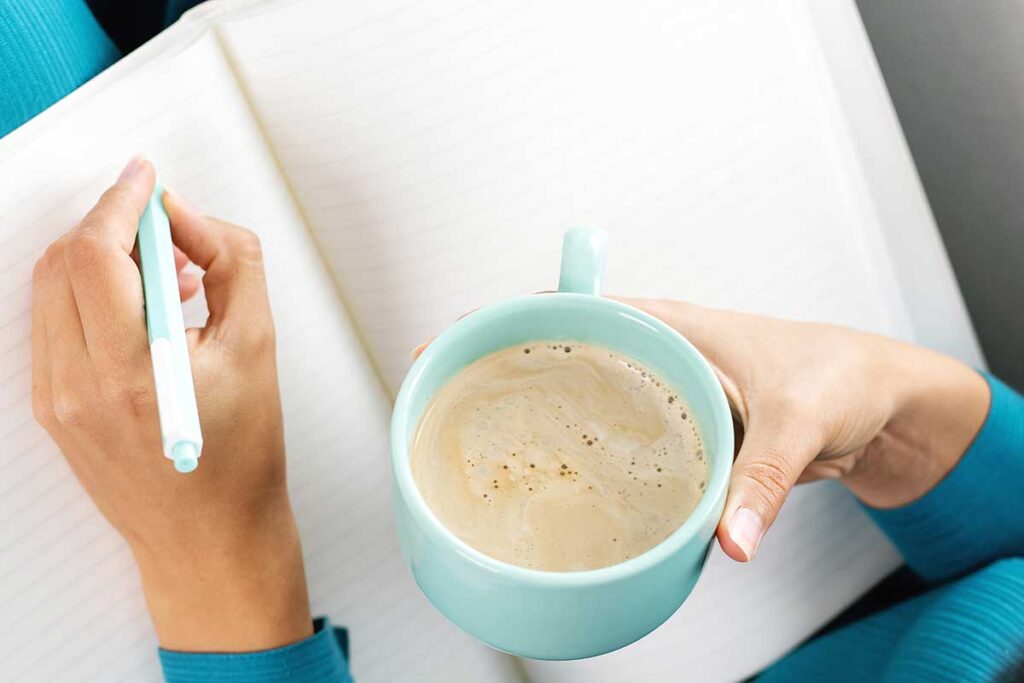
559,456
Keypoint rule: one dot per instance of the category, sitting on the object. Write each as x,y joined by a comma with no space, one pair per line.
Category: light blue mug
560,615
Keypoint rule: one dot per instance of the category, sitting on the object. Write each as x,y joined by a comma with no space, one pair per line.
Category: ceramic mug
544,614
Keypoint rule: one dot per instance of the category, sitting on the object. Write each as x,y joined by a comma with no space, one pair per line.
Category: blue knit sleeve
967,631
976,514
321,658
47,49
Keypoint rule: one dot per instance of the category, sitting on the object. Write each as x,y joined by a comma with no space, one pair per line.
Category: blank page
72,604
439,150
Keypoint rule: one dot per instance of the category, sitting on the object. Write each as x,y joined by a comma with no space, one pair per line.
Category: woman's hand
217,549
819,401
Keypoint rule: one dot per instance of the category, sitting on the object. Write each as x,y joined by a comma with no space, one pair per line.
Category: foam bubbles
542,454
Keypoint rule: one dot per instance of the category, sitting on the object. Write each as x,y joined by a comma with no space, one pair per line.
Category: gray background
955,71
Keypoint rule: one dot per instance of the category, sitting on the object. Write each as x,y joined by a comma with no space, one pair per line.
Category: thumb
770,461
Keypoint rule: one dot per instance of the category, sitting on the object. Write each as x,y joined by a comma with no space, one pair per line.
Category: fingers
106,282
58,343
231,256
774,453
115,218
188,285
418,351
60,359
64,338
63,326
180,260
716,334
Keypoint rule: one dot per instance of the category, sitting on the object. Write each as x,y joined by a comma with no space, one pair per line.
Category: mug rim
401,456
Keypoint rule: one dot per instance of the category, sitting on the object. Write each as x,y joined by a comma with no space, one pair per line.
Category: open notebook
405,161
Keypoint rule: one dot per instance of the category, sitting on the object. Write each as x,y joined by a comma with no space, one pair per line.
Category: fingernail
132,170
180,199
746,530
415,353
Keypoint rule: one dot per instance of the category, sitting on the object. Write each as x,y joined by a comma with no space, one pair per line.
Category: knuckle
247,243
69,409
55,252
771,476
84,251
50,259
114,207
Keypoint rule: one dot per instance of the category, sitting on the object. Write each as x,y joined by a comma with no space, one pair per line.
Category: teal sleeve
969,630
321,658
47,49
976,514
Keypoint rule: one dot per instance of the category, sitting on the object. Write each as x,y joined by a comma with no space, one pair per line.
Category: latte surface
559,456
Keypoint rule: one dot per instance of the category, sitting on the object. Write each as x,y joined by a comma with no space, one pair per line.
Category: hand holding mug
817,401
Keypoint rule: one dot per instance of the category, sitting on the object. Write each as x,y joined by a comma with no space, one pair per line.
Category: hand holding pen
227,527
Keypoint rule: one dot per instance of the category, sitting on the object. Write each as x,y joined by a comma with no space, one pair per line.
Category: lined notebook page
438,150
72,606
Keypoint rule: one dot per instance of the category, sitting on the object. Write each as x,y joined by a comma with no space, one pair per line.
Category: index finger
105,279
115,217
232,259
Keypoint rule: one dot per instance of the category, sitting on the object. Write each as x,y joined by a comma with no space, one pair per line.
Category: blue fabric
47,49
976,514
970,629
321,658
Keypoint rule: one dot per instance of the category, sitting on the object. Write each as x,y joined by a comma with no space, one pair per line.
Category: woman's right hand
815,401
217,549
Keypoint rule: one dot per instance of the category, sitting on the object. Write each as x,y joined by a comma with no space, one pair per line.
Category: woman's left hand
817,401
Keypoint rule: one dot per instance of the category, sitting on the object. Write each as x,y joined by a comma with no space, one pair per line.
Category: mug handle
583,256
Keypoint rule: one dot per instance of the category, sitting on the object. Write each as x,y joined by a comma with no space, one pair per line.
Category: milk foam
559,456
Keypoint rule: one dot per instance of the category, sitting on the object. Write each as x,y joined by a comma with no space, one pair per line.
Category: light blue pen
172,371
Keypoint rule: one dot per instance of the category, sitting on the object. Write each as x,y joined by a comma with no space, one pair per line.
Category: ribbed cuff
976,514
321,658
